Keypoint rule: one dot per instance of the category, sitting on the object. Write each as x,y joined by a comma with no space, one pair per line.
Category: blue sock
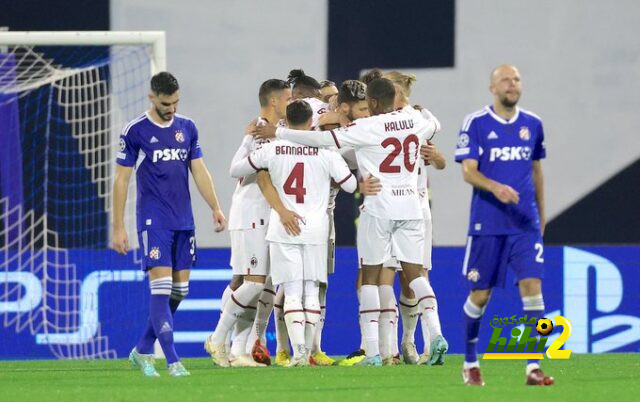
179,291
472,317
161,318
533,306
145,344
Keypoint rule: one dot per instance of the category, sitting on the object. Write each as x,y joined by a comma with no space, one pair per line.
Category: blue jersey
162,172
505,151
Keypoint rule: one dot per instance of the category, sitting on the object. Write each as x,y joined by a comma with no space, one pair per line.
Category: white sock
294,316
282,337
361,322
409,312
386,319
426,333
312,312
428,304
223,302
245,297
317,340
370,313
393,339
241,332
265,307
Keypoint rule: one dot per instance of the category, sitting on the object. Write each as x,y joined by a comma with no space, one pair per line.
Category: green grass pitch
611,377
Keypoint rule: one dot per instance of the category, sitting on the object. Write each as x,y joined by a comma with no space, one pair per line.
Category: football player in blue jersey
500,148
163,147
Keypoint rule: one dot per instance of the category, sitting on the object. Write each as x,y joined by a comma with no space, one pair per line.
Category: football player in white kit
302,176
391,223
435,344
248,220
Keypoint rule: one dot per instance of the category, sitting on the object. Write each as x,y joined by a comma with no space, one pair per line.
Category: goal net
64,99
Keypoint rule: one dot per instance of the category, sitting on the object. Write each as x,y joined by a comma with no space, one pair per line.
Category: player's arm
204,182
538,181
341,174
120,189
473,176
288,218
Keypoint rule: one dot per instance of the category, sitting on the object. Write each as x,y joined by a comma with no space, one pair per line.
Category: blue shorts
487,259
168,248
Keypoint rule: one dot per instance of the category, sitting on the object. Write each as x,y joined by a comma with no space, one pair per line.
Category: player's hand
220,220
428,152
251,128
265,132
370,186
120,241
333,102
506,194
290,221
329,118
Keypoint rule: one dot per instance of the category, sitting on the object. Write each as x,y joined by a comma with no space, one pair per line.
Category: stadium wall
580,70
596,288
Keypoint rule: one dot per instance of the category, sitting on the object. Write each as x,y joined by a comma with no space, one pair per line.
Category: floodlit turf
612,377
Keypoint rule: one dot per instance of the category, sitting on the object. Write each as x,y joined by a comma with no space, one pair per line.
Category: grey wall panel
221,51
580,66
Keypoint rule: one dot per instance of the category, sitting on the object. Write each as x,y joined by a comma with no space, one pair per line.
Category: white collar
500,119
168,124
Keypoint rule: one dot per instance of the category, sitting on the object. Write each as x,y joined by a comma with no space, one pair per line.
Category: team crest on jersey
473,275
179,136
463,140
253,262
524,133
123,145
154,253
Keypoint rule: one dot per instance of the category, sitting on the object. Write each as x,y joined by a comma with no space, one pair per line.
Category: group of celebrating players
311,140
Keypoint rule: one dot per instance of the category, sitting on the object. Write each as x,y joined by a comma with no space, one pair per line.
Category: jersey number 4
295,183
405,147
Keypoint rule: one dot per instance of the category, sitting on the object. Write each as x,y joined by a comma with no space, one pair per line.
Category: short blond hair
404,81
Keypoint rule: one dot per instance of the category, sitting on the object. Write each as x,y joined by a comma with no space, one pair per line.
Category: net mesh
61,112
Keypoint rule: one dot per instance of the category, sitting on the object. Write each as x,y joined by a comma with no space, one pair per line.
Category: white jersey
387,147
302,176
318,108
249,208
349,156
423,190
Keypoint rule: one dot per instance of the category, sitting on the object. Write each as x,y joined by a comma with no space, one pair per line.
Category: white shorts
379,239
428,243
296,262
249,252
331,245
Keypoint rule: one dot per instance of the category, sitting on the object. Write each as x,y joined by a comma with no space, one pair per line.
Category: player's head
275,94
403,83
371,75
303,86
505,85
299,115
380,96
164,95
352,100
327,90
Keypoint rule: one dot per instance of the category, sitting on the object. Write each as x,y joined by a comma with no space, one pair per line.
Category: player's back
387,147
302,176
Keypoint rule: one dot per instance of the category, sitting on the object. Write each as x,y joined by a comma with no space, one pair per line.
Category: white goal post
64,99
156,39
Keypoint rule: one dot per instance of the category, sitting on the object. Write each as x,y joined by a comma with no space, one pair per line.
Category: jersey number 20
405,147
295,183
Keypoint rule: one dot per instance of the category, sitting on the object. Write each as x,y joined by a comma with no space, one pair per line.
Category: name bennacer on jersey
301,150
